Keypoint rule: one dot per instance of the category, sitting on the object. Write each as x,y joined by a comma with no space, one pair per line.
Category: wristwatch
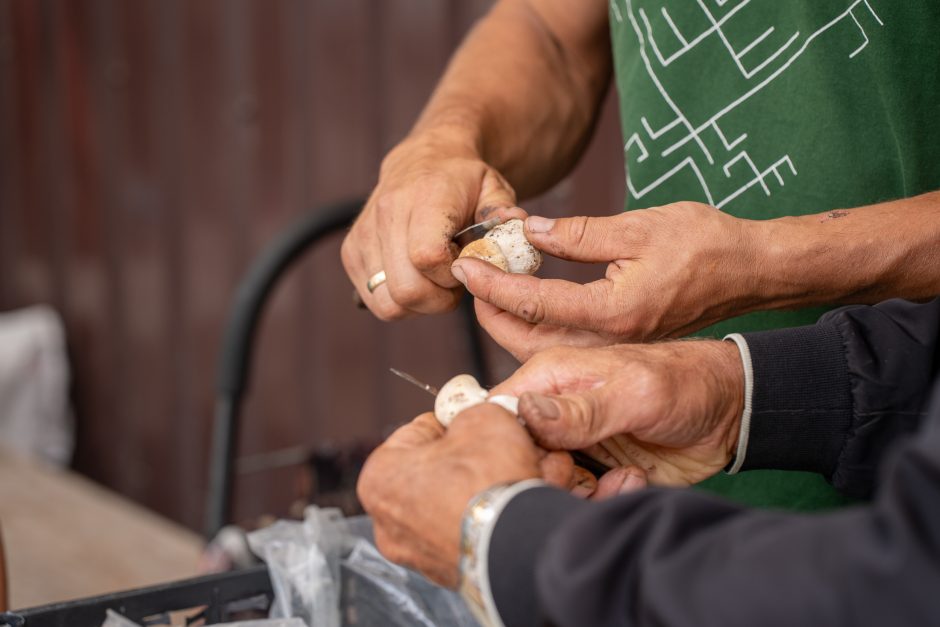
476,529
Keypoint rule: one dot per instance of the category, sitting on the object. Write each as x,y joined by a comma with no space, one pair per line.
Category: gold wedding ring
375,280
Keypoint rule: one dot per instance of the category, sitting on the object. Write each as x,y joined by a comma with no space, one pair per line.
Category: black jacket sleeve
682,558
832,397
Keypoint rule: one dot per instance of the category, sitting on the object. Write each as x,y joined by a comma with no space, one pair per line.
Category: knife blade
475,231
430,389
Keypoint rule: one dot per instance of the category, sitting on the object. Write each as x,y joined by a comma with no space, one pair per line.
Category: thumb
588,240
497,199
567,422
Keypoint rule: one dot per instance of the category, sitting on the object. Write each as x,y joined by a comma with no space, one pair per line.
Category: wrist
727,369
453,132
476,531
796,267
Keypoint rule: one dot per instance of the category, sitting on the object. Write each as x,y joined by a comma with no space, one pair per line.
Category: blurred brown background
149,149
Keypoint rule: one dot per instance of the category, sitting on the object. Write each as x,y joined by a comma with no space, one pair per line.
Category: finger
448,203
537,301
570,421
583,483
496,199
619,481
557,468
406,285
361,254
523,339
422,430
588,240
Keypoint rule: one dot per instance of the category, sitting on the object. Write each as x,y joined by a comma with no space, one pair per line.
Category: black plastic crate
238,595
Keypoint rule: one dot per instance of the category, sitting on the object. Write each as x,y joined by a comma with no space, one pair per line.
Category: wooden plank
66,537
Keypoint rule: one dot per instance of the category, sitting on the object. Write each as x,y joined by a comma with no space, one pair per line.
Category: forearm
862,255
681,558
523,90
831,398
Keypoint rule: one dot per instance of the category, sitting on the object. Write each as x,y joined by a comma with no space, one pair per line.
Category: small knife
475,231
430,389
591,465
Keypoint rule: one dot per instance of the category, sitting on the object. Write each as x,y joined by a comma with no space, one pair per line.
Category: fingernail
544,408
536,224
458,273
632,483
581,491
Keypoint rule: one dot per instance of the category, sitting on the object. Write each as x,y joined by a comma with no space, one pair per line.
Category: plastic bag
35,417
328,571
113,619
303,560
264,622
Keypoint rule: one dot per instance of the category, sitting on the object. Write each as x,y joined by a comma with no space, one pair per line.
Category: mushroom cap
507,402
521,256
458,394
488,251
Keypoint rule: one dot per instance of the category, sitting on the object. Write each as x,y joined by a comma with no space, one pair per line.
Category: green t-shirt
765,108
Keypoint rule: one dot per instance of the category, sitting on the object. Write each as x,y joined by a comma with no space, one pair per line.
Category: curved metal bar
239,338
238,343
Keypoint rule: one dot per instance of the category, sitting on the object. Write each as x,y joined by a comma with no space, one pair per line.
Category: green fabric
766,109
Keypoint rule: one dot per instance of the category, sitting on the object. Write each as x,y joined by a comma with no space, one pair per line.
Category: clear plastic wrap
327,571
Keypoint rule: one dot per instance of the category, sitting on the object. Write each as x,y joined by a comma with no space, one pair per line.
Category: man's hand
429,188
517,103
673,409
671,270
418,483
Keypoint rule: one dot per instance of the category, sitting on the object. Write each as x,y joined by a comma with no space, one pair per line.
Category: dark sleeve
679,558
830,398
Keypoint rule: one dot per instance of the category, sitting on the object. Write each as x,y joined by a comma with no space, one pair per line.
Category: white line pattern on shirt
681,131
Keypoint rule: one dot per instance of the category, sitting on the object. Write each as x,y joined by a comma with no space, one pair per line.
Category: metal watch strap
476,529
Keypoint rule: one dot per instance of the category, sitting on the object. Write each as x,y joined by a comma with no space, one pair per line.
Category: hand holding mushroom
672,409
670,271
417,484
463,392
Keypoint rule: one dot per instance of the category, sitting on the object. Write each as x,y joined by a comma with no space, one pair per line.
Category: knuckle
426,257
532,310
386,311
386,203
579,231
387,547
407,293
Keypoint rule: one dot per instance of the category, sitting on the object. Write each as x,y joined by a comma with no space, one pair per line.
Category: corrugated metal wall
150,148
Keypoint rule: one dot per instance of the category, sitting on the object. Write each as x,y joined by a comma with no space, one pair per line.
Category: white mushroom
506,247
456,395
463,392
509,403
488,251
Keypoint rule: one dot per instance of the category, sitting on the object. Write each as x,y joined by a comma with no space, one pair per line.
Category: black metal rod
238,343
